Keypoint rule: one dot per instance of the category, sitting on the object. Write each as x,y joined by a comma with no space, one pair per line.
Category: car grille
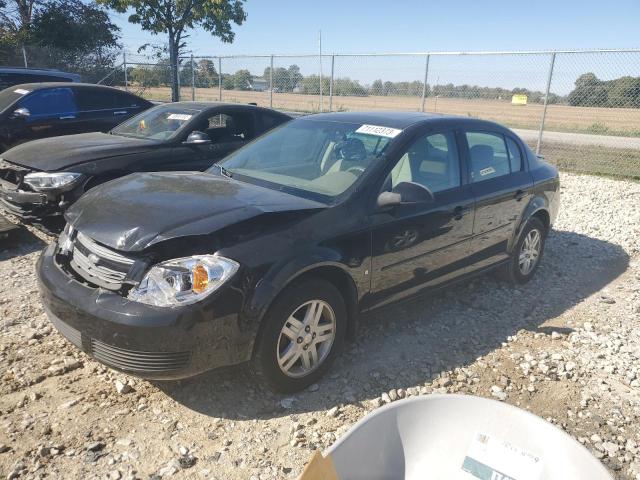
67,331
138,361
99,265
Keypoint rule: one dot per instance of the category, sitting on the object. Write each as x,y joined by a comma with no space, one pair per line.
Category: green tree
75,36
206,74
177,17
15,18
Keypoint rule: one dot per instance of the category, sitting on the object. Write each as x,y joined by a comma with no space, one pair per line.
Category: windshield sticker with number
179,116
379,131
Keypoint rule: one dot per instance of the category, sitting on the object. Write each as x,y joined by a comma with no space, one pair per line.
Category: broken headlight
183,281
52,181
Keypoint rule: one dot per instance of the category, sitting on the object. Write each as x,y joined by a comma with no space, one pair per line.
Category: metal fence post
424,86
546,101
220,79
333,61
271,84
193,79
24,56
124,64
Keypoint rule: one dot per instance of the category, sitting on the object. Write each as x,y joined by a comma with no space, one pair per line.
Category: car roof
402,120
39,71
41,85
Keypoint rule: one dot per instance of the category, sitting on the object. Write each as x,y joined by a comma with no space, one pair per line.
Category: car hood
142,209
59,153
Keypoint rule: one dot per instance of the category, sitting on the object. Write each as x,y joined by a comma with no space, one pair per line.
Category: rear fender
536,204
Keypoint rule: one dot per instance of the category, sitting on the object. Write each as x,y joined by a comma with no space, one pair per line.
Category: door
228,131
502,187
95,108
417,246
51,112
101,109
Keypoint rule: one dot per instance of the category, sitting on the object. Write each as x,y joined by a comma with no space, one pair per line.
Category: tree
206,74
284,79
76,36
15,16
177,17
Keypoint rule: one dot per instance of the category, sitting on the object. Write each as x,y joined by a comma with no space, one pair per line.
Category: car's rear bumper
150,342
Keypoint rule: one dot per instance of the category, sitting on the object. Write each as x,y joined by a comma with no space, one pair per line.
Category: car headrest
351,150
481,156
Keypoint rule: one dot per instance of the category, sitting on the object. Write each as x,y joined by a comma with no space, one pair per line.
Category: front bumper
25,205
150,342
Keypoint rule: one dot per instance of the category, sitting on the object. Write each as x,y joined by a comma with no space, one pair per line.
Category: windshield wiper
224,171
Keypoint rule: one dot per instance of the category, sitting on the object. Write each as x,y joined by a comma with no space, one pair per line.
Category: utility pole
320,55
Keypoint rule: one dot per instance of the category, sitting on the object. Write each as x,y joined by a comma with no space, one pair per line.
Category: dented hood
137,211
59,153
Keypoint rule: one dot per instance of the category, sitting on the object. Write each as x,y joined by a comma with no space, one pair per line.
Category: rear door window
228,127
92,99
50,103
488,156
125,100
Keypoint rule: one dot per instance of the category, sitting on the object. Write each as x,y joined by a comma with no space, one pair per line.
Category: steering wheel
357,170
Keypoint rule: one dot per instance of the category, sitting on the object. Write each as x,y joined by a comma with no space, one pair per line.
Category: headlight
183,281
51,181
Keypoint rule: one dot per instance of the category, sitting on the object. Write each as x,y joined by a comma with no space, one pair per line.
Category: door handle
120,112
67,117
519,195
460,212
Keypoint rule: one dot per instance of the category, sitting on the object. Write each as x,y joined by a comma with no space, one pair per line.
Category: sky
356,26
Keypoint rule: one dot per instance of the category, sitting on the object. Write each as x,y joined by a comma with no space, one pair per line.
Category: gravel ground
565,346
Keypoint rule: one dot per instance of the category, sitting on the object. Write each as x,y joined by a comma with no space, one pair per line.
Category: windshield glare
158,123
319,157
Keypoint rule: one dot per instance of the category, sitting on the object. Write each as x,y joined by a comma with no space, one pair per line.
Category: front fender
283,272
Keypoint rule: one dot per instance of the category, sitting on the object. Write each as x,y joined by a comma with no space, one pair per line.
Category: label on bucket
490,458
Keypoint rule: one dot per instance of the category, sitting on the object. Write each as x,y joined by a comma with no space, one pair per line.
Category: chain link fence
580,109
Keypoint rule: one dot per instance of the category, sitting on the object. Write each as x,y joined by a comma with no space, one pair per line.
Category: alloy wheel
306,338
530,252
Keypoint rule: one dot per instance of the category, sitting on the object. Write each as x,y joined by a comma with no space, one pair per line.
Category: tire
513,271
275,347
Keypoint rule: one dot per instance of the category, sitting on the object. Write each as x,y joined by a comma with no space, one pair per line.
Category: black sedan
272,254
40,179
40,110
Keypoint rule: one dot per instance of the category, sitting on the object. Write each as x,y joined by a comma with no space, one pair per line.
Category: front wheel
303,333
527,253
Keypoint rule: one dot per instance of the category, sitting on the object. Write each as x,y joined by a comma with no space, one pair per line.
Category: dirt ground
565,346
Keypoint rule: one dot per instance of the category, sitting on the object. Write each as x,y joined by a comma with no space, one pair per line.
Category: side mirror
198,138
405,193
21,113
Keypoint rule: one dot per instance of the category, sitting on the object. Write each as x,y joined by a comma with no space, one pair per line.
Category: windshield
8,96
319,157
158,123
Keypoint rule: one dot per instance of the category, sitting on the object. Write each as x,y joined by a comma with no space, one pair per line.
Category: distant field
560,118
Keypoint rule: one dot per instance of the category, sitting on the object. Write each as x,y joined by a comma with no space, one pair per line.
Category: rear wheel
527,253
303,333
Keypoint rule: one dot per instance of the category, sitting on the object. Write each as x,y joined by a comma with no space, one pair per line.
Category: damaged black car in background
39,180
271,255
